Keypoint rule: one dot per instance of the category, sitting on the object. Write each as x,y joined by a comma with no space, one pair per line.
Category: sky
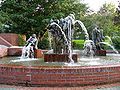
96,4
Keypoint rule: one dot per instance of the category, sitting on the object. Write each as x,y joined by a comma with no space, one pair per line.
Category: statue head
33,35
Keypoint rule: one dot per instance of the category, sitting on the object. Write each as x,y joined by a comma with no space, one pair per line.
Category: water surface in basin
82,61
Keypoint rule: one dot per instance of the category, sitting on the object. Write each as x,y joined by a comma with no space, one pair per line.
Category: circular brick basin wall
58,76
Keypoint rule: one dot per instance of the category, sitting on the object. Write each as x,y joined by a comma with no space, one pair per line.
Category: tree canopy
32,16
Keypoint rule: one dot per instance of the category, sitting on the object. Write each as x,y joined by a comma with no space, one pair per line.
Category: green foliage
32,16
116,42
88,21
44,44
21,40
106,47
117,20
78,44
103,19
107,8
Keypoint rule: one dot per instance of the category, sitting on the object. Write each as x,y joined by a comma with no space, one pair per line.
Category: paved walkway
112,86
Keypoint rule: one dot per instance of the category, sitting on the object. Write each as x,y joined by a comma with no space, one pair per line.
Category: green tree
117,19
103,18
32,16
116,39
1,19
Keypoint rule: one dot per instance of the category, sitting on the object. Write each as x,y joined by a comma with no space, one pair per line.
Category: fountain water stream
89,48
109,40
110,46
29,48
50,38
84,29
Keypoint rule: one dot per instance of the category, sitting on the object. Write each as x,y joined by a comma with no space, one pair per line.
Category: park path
111,86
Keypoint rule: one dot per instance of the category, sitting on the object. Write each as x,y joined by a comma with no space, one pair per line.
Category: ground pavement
110,86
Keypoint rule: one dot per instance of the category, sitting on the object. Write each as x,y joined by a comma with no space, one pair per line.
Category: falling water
26,51
64,36
69,41
88,48
110,46
88,43
109,40
84,29
49,37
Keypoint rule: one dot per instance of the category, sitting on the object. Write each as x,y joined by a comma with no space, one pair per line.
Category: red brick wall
15,51
4,42
12,38
18,51
59,57
58,76
3,52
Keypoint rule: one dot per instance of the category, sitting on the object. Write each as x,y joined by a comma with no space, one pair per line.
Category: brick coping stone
58,76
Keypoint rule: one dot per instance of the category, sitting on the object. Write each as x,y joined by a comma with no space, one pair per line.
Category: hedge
78,44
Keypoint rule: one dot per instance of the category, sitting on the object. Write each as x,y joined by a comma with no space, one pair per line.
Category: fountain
96,45
62,32
52,70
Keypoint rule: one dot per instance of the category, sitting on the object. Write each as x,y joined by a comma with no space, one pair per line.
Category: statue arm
28,41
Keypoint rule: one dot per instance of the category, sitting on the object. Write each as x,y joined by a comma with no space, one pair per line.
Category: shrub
44,44
21,40
116,42
78,44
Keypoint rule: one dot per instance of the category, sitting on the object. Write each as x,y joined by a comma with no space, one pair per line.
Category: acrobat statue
30,46
97,38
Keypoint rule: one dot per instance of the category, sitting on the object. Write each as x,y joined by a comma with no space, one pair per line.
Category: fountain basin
59,57
58,76
40,73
